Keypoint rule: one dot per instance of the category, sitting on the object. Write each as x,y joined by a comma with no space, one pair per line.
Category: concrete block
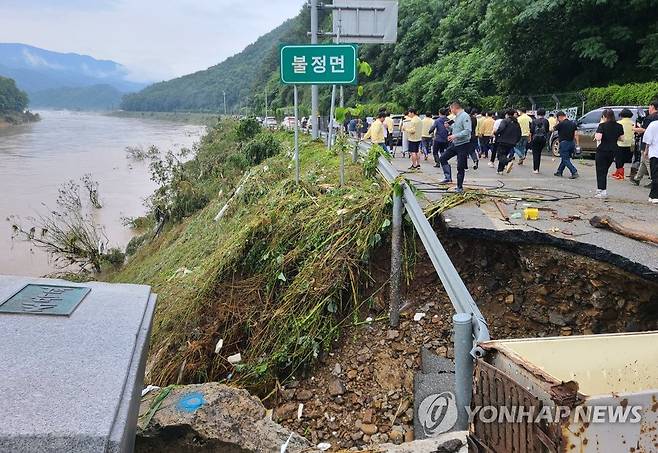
73,383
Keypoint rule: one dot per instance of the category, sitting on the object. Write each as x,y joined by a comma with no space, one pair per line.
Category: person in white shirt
651,140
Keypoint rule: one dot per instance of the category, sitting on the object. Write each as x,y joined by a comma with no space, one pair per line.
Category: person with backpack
539,129
508,135
440,134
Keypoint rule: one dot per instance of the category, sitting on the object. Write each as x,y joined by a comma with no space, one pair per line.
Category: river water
36,159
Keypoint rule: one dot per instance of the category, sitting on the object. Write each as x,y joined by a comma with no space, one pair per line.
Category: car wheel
555,148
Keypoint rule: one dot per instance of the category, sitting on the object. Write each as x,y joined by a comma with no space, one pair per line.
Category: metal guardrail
461,299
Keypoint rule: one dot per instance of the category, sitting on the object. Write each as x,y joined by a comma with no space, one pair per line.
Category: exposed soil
362,392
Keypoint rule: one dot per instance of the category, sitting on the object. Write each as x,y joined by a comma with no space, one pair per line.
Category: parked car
397,132
288,123
588,123
270,122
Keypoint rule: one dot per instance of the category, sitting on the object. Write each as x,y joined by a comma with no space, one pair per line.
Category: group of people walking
511,135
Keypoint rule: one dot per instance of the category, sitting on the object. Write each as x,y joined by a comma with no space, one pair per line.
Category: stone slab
73,383
435,408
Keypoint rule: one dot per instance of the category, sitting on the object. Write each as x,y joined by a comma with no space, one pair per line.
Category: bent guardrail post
461,299
396,260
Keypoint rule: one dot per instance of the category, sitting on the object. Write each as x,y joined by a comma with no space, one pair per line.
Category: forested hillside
203,90
449,49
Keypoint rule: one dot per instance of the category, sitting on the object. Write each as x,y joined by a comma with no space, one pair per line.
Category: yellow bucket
531,213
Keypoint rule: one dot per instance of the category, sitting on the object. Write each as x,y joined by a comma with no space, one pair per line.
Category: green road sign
319,64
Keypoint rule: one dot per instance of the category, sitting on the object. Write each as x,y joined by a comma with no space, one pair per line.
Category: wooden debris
607,223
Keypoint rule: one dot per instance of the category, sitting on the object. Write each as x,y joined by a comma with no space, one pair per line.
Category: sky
155,39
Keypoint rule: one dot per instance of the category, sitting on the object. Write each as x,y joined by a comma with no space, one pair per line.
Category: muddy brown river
36,159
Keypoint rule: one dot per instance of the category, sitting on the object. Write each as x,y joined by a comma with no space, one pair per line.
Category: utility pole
225,110
265,103
314,88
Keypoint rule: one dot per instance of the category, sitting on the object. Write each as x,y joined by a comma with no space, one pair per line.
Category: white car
288,123
270,122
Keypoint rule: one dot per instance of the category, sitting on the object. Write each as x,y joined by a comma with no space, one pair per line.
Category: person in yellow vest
485,129
624,154
521,148
414,130
427,123
377,132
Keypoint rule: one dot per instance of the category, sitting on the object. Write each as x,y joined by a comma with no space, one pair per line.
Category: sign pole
296,136
314,88
331,116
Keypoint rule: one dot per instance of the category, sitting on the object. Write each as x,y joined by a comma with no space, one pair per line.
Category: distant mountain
95,97
45,72
203,90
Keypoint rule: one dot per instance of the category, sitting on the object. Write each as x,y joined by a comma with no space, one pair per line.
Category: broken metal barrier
469,326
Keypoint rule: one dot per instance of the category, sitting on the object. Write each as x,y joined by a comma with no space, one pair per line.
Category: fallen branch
606,223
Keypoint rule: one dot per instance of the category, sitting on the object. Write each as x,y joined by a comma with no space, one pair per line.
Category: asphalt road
564,214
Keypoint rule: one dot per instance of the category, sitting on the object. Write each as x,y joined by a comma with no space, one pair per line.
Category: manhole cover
45,300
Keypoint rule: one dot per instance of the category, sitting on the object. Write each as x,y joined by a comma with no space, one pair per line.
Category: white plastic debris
300,411
324,446
419,316
149,388
235,358
219,346
368,319
284,447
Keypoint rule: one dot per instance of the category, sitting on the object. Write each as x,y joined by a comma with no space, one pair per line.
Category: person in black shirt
608,133
567,132
507,136
539,130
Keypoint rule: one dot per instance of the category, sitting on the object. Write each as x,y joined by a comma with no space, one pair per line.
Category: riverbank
16,118
37,159
201,119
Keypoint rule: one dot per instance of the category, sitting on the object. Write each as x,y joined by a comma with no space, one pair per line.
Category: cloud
38,62
154,39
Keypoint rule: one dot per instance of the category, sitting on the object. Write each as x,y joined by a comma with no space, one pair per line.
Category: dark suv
587,125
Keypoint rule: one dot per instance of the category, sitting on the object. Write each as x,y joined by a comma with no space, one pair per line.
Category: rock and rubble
527,291
210,417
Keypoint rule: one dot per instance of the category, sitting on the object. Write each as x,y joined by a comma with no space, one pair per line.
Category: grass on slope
274,279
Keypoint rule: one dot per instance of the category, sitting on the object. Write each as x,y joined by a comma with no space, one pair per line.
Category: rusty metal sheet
494,388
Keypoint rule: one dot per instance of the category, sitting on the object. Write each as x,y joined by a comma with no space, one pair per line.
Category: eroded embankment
362,392
287,276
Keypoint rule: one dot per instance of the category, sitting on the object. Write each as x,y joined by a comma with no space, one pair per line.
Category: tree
11,98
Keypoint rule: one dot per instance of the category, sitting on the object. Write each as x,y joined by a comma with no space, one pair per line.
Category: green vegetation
11,98
274,275
485,52
630,94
